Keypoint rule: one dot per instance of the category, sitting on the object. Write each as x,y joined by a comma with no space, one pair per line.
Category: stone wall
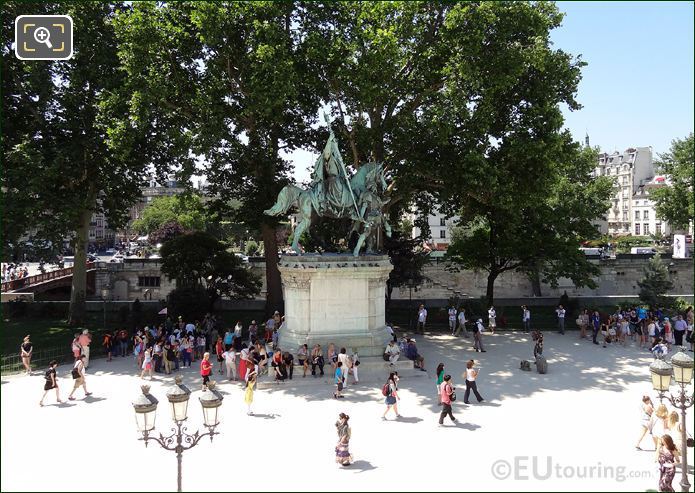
119,281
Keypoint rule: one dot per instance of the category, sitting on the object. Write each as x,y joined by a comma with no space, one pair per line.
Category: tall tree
655,283
74,170
226,82
522,189
675,202
186,209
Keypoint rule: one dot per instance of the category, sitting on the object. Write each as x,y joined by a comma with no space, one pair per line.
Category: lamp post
681,367
146,409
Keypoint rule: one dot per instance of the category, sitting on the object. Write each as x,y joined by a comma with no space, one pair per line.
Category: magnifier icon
43,35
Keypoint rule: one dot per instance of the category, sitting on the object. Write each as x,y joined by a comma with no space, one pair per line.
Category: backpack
386,390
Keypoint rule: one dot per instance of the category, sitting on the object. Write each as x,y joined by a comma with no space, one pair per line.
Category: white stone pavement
583,414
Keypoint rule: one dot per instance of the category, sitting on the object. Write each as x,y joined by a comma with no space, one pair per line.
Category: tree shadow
408,419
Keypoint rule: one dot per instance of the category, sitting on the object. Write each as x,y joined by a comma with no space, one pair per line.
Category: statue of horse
369,177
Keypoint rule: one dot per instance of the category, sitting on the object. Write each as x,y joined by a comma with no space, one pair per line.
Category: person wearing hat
84,340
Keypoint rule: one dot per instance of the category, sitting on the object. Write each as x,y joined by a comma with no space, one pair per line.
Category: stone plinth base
337,299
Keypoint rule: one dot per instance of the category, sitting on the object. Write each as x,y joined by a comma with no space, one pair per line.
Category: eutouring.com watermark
539,468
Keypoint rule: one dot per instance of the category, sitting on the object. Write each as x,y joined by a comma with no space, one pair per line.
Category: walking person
248,394
355,361
51,382
347,366
452,319
342,449
205,370
75,347
659,427
421,319
219,349
390,391
147,364
78,375
462,323
471,385
668,457
447,397
85,340
646,410
525,318
478,336
537,343
26,349
108,344
560,312
492,319
438,382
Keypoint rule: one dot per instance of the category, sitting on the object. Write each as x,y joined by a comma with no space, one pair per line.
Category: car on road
110,251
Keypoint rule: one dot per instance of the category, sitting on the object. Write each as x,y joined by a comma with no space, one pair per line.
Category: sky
637,87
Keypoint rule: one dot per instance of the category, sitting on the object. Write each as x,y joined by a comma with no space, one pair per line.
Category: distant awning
163,311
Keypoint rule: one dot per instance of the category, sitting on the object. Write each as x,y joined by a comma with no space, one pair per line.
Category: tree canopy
185,209
675,202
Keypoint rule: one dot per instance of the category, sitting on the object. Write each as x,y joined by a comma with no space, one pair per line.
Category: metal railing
12,363
24,282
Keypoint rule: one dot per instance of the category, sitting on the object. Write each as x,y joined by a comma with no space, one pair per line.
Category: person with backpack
79,377
447,396
390,392
51,382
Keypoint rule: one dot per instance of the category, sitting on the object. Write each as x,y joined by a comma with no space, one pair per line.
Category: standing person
288,361
462,323
390,390
228,339
595,326
526,318
446,398
392,353
452,319
157,351
560,311
583,321
147,364
647,409
668,458
471,377
85,340
339,379
316,359
26,349
123,342
76,348
421,319
51,382
332,356
438,382
199,346
478,336
230,363
679,329
355,365
253,332
186,350
108,344
248,395
538,343
168,356
303,357
690,324
342,449
205,370
492,317
78,376
347,366
219,350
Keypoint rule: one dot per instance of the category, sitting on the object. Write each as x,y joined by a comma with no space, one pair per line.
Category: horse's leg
304,209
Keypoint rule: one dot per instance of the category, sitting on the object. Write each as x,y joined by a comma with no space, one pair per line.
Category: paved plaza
578,423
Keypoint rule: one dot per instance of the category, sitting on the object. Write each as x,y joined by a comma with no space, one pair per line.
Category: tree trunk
273,300
490,293
78,293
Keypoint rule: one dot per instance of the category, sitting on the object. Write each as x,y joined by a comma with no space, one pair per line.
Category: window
624,180
646,228
636,215
149,281
442,233
442,222
624,215
637,230
646,215
658,229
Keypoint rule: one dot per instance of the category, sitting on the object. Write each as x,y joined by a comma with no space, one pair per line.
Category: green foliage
251,248
408,259
198,259
186,209
674,203
655,283
190,302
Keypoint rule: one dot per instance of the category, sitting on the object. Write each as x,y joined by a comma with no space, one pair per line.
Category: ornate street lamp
682,368
145,412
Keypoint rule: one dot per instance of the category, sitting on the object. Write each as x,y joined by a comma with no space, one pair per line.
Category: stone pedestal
335,298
